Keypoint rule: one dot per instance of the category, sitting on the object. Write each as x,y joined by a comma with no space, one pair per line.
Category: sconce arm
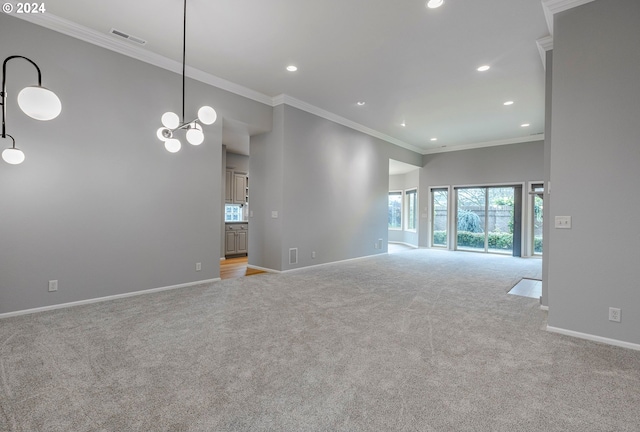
4,87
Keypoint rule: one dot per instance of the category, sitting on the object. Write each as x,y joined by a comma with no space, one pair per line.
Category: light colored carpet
417,341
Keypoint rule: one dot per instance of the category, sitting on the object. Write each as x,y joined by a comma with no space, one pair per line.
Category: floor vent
293,256
128,37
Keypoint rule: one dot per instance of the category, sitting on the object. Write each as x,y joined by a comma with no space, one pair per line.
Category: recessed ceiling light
434,139
292,68
525,125
432,4
403,124
508,103
483,68
361,103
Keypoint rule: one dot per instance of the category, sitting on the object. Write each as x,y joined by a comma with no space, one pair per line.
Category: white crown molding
531,138
304,106
544,44
109,42
552,7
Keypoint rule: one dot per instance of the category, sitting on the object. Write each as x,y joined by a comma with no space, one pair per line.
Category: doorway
488,219
537,204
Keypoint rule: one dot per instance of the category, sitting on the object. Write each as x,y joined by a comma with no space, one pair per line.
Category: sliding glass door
485,219
471,218
439,217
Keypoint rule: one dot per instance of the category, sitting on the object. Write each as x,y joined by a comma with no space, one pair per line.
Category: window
395,210
232,213
411,199
439,216
537,193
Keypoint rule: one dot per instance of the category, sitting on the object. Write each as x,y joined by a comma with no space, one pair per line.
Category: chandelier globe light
171,122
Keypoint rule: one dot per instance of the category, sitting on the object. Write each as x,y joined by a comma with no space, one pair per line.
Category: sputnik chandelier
171,123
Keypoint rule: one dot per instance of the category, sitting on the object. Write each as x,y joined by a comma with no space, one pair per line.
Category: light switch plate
274,214
563,222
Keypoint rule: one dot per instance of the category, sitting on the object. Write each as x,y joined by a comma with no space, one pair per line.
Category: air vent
128,37
293,256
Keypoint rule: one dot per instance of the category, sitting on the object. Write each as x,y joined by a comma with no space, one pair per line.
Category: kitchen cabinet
236,187
228,187
240,188
236,238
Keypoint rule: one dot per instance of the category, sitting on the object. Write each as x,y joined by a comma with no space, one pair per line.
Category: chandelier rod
184,55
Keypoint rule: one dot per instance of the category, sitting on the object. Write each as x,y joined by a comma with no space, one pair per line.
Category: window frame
399,193
408,214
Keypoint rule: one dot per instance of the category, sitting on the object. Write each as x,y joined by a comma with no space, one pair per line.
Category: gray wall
99,205
595,156
238,162
329,184
546,211
266,167
403,182
506,164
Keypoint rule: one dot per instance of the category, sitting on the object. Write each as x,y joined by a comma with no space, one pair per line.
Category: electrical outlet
198,266
313,254
615,314
53,285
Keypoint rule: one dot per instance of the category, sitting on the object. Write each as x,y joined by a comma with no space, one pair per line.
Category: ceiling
410,65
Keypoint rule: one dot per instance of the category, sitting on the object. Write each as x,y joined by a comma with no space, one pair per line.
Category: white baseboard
594,338
404,244
268,270
331,262
544,308
107,298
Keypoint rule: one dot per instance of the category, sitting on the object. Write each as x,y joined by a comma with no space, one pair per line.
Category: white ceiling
408,63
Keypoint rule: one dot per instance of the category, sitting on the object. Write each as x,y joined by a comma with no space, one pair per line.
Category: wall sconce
35,101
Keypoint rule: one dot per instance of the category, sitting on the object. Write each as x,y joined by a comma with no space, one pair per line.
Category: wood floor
236,267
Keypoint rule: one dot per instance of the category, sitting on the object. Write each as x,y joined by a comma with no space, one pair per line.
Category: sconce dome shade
195,136
170,120
207,115
39,103
172,145
164,134
13,156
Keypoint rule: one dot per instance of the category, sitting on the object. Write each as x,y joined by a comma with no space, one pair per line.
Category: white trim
304,106
308,267
552,7
329,263
544,308
594,338
107,298
530,138
544,44
137,52
404,244
265,269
